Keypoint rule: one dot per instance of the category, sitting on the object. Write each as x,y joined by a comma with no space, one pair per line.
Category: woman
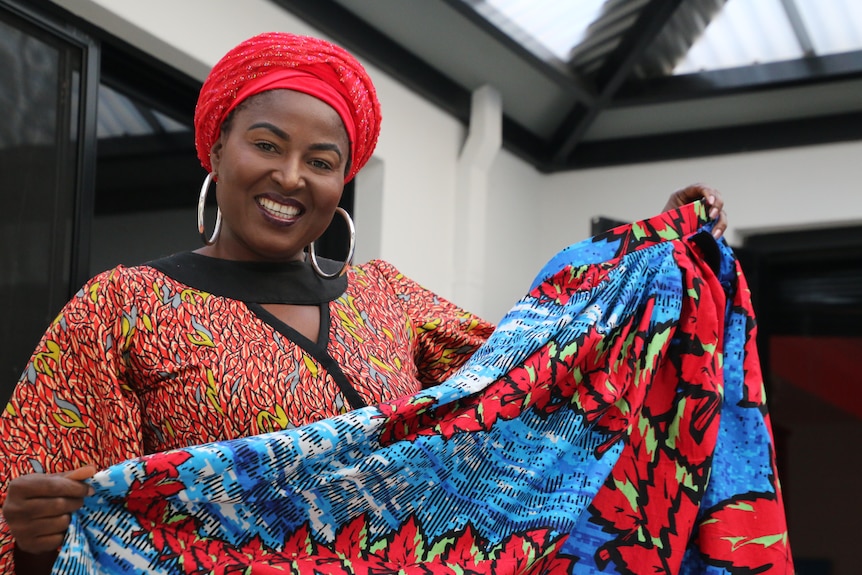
246,334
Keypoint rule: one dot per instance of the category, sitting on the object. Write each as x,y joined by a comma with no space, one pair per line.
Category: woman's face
280,169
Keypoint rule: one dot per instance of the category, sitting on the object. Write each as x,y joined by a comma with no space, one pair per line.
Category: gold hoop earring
202,200
351,248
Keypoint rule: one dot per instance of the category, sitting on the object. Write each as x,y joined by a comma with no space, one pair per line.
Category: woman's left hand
695,192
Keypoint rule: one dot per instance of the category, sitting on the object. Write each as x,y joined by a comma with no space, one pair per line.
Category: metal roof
120,115
712,34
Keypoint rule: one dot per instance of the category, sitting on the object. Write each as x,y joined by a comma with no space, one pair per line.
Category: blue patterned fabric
614,423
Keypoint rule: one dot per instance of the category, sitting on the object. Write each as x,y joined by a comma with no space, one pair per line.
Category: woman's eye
321,164
265,146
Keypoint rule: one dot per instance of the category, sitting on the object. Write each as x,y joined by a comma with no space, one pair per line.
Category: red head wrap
279,60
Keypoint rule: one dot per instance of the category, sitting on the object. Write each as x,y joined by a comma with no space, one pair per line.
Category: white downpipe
484,139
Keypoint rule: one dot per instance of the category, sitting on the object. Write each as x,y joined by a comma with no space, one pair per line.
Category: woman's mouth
278,210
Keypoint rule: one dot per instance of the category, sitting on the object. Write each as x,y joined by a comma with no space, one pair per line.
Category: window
44,144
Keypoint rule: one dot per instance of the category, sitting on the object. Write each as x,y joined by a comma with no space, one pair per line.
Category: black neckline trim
316,350
257,282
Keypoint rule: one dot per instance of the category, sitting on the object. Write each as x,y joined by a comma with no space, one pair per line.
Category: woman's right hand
38,507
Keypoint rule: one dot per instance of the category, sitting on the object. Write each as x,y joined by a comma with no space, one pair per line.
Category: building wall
530,215
789,189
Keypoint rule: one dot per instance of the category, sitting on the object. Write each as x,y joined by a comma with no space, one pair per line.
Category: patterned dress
182,352
614,423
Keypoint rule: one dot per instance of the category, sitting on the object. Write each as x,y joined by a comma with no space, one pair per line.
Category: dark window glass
38,132
807,291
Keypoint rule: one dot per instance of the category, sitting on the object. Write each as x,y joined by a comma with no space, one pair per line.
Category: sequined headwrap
281,60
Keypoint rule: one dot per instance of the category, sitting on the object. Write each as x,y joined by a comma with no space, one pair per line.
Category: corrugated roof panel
745,32
546,27
119,116
750,32
834,26
169,124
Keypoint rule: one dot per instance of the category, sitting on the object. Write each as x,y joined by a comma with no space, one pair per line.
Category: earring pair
312,256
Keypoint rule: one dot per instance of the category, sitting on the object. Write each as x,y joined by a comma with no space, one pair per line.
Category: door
807,292
47,153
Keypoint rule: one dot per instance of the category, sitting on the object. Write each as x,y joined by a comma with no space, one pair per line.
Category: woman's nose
288,174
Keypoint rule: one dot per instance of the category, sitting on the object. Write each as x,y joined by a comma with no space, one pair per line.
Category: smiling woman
248,335
280,168
241,336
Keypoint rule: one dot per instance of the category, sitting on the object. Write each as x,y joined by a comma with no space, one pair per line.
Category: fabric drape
615,422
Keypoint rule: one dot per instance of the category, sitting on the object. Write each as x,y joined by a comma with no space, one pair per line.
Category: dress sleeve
446,335
71,406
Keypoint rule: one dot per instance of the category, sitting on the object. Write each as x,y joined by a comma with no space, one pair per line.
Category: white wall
763,191
516,250
531,215
795,188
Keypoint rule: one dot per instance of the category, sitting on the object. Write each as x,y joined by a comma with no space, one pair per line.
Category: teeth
278,209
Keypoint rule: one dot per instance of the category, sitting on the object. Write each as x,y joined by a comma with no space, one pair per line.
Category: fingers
81,473
43,535
716,207
720,226
39,524
713,200
38,507
42,485
41,507
697,191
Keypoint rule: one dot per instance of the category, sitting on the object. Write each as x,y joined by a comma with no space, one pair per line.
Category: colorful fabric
613,423
260,62
139,362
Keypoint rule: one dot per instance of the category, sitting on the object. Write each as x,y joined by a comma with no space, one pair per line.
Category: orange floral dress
182,352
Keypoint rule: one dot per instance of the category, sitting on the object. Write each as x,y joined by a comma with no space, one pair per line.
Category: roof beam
745,79
613,73
798,25
714,141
